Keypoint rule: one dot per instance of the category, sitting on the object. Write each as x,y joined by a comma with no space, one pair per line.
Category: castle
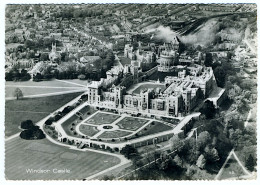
178,97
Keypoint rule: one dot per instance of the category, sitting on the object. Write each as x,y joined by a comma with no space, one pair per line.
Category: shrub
57,117
116,149
49,121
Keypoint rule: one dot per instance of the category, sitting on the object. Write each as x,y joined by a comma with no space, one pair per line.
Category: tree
178,161
211,154
203,140
27,124
208,60
176,143
212,127
250,163
220,75
18,93
31,134
129,151
201,162
208,109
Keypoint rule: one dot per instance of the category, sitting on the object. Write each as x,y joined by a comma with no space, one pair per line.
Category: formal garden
102,118
131,123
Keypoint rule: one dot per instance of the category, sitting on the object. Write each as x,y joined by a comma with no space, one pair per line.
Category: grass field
154,127
232,169
102,118
32,108
28,91
43,87
42,154
50,83
131,123
114,134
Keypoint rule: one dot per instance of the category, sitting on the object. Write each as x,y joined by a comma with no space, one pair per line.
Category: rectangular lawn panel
102,118
88,130
114,134
34,109
131,123
153,128
23,154
67,125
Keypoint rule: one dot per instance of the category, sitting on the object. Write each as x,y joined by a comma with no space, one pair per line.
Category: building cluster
178,96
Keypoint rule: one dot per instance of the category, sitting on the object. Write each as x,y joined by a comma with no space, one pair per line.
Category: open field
28,91
44,87
102,118
41,154
131,123
50,83
32,108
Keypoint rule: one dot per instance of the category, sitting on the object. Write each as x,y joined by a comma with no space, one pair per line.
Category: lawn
131,123
50,83
74,120
161,75
102,118
114,134
32,108
232,169
28,91
125,61
148,86
42,154
33,88
153,128
88,130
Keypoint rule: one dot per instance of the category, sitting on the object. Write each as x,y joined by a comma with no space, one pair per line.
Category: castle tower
53,47
187,100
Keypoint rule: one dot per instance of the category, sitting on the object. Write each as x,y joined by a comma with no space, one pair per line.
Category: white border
2,90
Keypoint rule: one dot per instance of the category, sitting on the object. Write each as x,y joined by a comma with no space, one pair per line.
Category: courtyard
136,88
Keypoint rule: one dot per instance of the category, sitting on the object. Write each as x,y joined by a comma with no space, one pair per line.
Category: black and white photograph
130,91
